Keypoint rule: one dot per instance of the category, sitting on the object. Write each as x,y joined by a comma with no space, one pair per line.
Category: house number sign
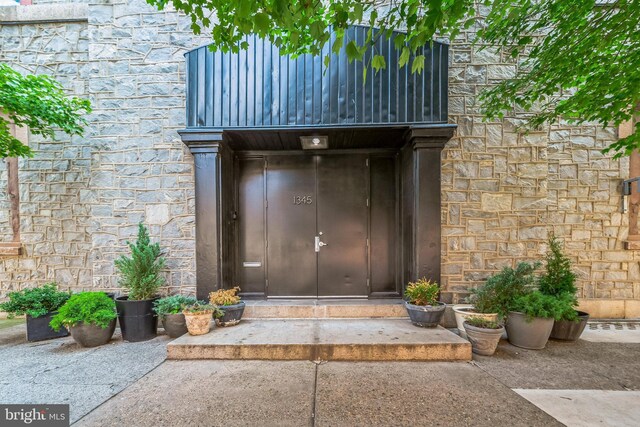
302,200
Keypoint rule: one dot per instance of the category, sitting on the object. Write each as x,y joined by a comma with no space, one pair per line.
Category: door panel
343,222
383,226
291,226
250,266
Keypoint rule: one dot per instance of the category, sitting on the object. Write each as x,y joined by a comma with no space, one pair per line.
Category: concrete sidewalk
298,393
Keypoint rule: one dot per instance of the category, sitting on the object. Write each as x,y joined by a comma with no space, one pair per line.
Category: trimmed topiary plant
141,275
90,317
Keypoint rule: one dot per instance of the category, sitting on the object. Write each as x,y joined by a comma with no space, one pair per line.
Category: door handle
319,244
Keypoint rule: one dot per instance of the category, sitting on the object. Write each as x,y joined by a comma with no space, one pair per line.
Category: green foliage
202,307
140,273
92,308
223,297
422,292
35,302
558,277
500,291
575,60
172,304
537,304
38,102
480,322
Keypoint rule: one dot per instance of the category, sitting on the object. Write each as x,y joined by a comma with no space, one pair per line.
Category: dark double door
314,233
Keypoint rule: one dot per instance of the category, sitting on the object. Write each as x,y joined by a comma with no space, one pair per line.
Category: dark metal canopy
257,89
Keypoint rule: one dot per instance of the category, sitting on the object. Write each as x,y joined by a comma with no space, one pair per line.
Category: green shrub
201,307
140,273
480,322
35,302
537,304
559,280
92,308
172,304
422,292
502,289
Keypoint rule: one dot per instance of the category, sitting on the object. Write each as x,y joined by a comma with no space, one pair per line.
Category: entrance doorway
317,226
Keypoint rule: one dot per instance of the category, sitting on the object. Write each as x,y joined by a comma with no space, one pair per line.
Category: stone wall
82,197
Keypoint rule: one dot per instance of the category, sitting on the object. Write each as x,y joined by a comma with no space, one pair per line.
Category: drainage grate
615,326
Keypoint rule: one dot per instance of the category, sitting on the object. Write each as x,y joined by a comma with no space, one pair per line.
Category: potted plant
169,310
89,316
531,318
229,302
421,302
492,300
557,280
484,335
140,275
198,317
39,305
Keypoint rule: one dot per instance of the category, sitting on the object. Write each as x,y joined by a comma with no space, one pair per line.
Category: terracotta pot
465,311
483,341
198,324
174,325
425,316
232,314
568,330
88,335
532,334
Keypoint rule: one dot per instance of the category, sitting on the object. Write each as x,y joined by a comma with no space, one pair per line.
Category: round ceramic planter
174,325
425,316
465,311
483,341
198,324
568,330
88,335
232,314
532,335
138,321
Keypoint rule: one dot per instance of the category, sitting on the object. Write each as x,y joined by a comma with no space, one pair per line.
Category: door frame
375,152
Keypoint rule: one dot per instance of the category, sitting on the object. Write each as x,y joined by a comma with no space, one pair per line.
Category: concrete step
324,309
323,339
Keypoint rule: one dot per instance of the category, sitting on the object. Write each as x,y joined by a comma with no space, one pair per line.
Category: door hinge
266,244
367,202
368,284
366,162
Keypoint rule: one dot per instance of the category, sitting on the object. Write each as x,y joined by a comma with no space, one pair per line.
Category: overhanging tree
39,103
579,60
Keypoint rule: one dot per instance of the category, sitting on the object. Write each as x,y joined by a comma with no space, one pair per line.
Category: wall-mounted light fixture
314,142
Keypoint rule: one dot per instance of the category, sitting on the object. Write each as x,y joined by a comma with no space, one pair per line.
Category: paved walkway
580,384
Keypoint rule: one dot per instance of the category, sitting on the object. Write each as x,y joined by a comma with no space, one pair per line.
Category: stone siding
502,191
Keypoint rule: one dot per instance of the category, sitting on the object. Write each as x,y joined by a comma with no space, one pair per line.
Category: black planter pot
567,330
138,321
92,335
38,328
232,314
425,316
174,325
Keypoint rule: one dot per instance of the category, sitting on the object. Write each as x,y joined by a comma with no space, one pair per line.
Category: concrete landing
313,339
324,309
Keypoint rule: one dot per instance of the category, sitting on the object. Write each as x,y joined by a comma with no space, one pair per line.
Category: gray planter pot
483,341
174,325
568,330
38,328
232,314
425,316
91,335
532,335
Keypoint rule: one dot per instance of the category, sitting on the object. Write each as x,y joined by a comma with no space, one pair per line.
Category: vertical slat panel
258,87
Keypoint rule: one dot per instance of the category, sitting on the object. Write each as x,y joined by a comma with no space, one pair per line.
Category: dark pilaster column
206,150
422,190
